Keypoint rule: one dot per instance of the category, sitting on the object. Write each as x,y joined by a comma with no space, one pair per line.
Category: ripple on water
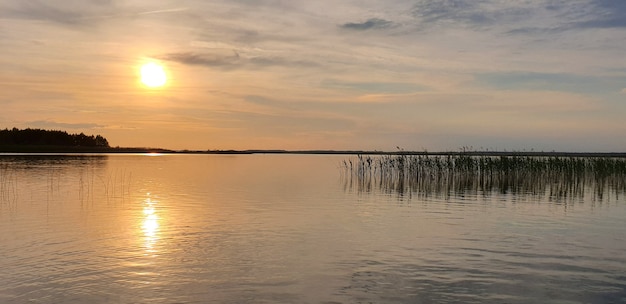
490,280
214,230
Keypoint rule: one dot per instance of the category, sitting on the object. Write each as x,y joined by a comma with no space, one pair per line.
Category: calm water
292,229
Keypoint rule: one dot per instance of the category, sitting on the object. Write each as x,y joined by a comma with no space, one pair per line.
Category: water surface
292,229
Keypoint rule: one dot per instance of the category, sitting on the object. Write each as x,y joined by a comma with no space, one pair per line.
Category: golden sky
437,75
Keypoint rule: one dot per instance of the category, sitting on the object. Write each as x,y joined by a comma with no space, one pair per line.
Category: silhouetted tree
29,136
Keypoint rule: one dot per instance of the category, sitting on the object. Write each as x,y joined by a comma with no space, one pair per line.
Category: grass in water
444,175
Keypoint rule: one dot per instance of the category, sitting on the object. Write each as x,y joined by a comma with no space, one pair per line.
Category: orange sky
436,75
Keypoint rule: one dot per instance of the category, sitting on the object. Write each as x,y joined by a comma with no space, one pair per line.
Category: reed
117,184
8,185
459,173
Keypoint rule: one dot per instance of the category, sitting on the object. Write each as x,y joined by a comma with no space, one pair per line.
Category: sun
153,75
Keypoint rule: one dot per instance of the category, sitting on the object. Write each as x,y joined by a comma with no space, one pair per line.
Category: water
292,229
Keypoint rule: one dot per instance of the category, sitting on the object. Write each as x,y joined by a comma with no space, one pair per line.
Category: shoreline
26,149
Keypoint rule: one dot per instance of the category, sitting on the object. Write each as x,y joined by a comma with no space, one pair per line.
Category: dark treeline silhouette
39,137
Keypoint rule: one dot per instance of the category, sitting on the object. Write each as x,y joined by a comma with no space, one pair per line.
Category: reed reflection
150,224
560,179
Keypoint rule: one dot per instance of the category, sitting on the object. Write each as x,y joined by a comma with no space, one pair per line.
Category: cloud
605,14
232,59
585,84
204,59
373,23
477,14
289,122
375,87
432,11
77,13
164,11
590,15
278,61
538,17
66,13
61,125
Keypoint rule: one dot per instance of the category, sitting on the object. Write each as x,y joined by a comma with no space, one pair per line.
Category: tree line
29,136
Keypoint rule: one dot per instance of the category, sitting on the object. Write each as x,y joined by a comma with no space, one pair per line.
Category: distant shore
443,153
38,141
27,149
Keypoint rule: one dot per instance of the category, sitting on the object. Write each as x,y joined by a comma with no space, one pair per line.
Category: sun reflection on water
150,224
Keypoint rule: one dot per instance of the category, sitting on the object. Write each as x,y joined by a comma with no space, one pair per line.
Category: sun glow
153,75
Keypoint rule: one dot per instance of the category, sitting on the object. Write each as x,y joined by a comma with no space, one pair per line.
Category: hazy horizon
439,75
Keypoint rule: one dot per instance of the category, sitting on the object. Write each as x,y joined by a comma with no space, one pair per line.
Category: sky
435,75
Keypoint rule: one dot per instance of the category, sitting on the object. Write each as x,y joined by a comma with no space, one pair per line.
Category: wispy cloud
231,59
66,13
164,11
373,23
76,14
585,84
203,59
49,124
451,10
375,87
537,17
604,14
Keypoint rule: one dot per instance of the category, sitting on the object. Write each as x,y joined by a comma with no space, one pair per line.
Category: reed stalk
445,174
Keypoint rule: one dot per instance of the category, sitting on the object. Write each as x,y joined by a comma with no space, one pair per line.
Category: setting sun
153,75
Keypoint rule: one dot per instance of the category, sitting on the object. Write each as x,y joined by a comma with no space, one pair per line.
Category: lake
297,229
